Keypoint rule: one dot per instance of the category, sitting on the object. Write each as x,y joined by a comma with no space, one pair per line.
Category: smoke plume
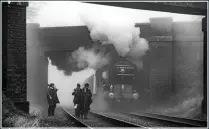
89,58
66,84
123,35
99,102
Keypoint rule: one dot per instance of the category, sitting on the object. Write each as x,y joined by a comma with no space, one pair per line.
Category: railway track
99,120
169,120
71,117
143,120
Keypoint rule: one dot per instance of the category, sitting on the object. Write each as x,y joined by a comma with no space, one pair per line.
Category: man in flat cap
77,92
87,100
52,99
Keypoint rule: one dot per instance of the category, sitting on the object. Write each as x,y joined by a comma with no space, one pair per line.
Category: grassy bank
12,117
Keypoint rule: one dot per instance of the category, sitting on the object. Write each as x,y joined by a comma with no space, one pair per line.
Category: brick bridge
174,47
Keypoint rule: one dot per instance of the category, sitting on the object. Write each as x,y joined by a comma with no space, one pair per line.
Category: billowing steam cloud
66,83
123,35
89,58
99,103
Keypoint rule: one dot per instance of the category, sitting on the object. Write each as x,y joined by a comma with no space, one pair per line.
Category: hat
86,85
51,84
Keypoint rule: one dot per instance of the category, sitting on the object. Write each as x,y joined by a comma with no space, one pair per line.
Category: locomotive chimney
122,58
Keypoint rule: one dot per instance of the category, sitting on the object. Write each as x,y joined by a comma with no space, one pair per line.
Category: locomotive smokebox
122,58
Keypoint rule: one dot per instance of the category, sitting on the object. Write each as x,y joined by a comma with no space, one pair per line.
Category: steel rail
116,122
200,123
182,122
78,123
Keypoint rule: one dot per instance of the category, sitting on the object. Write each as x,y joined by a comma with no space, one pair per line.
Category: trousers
51,110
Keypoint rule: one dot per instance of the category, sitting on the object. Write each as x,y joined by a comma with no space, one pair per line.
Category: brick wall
175,58
160,70
188,66
14,51
156,75
188,58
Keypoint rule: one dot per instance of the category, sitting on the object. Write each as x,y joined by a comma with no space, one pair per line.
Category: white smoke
189,107
122,34
89,58
66,84
99,102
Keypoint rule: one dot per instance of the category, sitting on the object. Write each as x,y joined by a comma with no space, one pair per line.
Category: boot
85,115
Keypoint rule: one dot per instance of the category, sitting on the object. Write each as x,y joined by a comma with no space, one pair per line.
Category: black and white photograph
104,64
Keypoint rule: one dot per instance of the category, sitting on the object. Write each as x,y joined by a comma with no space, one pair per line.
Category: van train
117,82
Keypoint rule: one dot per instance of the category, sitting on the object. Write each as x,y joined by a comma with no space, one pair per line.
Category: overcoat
77,96
87,100
52,96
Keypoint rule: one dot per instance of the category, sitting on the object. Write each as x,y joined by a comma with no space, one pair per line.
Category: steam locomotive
117,82
121,82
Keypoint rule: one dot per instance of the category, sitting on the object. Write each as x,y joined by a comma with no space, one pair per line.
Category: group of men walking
82,100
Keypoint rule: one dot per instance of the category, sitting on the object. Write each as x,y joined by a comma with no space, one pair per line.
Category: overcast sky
51,14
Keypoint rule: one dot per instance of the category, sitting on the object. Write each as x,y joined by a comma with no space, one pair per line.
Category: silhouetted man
52,99
87,100
77,100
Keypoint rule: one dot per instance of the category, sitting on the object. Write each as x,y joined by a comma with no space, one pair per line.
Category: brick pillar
14,53
162,26
161,47
37,71
204,102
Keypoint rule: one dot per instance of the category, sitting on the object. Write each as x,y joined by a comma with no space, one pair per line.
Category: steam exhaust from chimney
123,34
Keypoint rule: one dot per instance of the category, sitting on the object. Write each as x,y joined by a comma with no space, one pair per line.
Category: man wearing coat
87,100
52,99
77,100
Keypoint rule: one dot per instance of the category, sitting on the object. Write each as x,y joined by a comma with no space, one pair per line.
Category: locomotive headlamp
111,95
135,96
111,88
